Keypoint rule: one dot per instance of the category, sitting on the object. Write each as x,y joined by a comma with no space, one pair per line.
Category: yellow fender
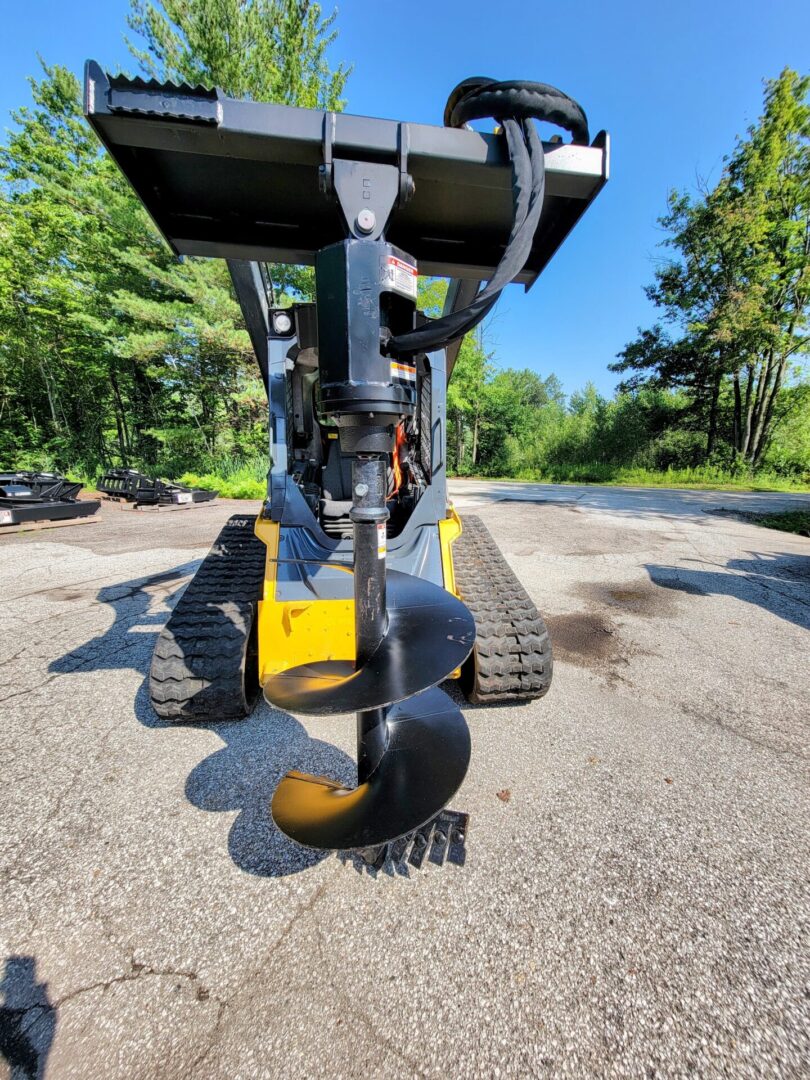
293,632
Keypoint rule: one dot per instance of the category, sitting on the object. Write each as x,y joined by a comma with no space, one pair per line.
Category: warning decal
404,372
400,277
381,541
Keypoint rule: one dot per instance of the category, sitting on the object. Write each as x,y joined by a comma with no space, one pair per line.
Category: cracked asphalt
635,901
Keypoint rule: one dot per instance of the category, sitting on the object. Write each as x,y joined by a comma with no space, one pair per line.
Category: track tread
204,663
511,660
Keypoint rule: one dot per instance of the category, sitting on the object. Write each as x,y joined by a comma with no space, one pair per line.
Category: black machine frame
136,487
28,497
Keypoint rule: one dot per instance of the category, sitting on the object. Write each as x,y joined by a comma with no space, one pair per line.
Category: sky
673,83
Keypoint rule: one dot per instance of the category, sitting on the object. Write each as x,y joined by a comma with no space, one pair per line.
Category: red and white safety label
400,277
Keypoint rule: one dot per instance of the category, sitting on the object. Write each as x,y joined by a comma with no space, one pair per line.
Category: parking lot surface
635,900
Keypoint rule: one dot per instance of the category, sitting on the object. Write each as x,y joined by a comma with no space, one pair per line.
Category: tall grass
701,476
233,477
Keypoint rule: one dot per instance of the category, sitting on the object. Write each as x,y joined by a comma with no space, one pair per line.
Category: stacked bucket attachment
27,497
413,744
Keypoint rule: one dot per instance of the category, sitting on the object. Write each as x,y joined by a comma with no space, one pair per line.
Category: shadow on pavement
126,644
779,583
257,752
27,1020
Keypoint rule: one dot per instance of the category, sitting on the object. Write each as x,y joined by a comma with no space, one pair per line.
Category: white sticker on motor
403,372
400,277
185,497
5,517
382,541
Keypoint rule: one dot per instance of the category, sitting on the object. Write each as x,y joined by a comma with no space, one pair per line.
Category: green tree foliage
738,294
263,50
111,349
114,351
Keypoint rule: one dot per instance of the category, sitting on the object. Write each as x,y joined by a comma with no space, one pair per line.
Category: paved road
666,502
637,905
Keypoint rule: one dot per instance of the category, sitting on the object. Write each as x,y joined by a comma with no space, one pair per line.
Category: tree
111,349
264,50
738,291
770,175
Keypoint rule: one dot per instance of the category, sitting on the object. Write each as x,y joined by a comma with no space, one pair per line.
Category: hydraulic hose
514,105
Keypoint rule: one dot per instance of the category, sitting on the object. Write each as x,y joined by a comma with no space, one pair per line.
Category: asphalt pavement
635,900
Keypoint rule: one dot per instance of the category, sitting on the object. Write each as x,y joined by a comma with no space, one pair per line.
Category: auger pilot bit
413,744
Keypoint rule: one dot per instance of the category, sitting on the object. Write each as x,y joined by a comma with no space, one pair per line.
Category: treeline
112,351
528,430
719,384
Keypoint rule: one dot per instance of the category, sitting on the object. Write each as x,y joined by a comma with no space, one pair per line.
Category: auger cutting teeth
450,826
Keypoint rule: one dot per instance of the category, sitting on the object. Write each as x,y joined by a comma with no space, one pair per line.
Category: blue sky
673,83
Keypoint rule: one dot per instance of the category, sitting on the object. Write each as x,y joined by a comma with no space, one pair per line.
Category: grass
793,521
701,478
234,478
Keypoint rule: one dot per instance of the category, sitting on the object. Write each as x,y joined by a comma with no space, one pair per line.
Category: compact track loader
357,588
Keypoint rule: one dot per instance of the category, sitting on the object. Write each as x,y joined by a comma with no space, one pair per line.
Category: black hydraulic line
515,104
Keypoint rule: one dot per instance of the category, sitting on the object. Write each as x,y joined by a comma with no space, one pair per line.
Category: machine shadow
243,774
258,750
778,583
27,1020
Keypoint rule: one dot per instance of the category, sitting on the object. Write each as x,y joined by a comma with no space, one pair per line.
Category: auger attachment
413,745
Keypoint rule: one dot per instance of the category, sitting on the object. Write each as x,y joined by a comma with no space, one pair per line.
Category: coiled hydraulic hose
514,105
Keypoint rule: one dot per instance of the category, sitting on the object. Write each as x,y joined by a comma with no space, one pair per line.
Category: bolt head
282,323
366,221
361,490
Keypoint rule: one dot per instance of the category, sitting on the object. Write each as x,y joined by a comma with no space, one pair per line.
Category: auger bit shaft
412,755
369,515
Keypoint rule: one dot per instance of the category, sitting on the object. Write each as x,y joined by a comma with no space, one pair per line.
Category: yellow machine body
294,632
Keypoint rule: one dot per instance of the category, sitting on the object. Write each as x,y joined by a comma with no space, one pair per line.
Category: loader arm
251,287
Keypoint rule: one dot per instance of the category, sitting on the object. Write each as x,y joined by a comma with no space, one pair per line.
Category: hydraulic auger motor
357,588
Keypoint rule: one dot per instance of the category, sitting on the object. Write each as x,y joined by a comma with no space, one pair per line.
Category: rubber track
204,667
512,658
